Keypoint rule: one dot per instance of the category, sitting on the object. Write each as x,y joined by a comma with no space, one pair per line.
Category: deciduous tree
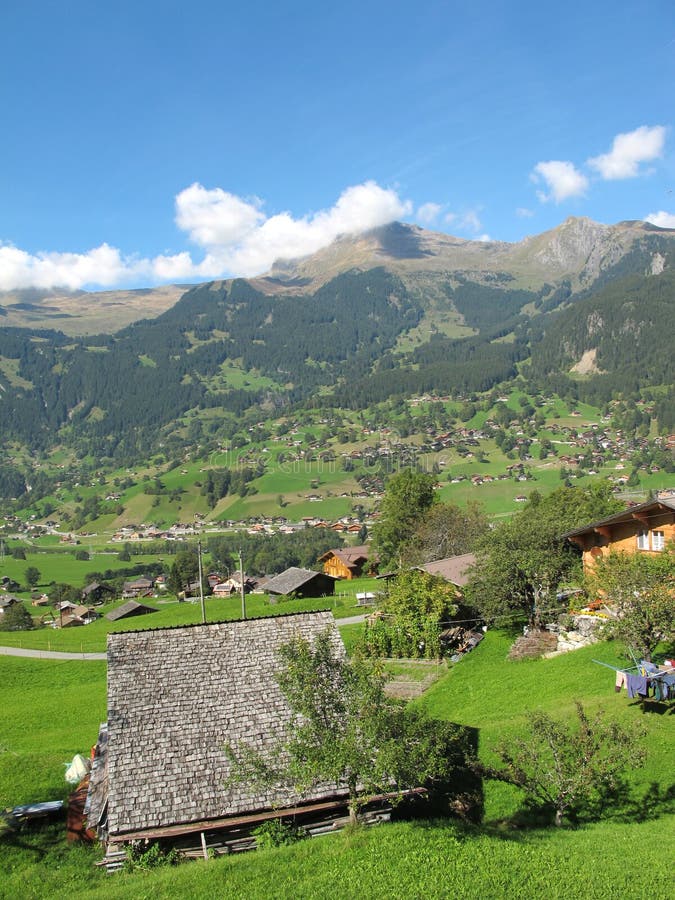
640,590
412,615
346,731
32,576
522,561
407,498
16,618
566,766
445,530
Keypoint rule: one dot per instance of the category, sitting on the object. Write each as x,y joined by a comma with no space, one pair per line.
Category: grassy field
62,567
494,694
92,638
52,710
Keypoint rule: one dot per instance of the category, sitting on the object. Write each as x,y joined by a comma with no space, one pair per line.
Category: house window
658,540
643,540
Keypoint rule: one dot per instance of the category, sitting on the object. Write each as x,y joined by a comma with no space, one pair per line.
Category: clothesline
647,678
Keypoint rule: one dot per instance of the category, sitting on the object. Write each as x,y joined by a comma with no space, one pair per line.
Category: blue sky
146,143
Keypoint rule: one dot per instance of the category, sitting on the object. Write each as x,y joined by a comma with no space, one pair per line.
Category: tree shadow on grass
37,840
622,803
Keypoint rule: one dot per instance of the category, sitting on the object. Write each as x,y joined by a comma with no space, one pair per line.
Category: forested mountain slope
396,312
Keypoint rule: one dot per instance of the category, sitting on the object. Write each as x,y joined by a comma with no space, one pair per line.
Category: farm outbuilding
129,609
176,698
301,583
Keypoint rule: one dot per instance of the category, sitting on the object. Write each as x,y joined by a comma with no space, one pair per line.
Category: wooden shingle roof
292,579
130,608
176,697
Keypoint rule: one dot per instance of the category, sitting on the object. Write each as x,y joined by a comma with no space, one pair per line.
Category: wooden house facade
348,562
645,528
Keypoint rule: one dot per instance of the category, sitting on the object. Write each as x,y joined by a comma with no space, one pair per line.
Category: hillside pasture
53,711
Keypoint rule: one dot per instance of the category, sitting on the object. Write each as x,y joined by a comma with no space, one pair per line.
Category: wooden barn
300,583
128,610
176,697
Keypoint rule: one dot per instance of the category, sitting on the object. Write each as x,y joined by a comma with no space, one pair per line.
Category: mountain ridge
578,250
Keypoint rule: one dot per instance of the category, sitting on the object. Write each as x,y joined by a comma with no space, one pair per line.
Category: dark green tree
32,576
522,561
16,618
185,569
407,498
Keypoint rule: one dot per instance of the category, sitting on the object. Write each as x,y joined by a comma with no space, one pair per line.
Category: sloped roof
130,608
95,586
292,580
176,696
631,513
350,556
454,569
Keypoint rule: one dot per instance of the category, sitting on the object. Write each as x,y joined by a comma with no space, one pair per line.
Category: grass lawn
51,710
92,638
493,694
62,567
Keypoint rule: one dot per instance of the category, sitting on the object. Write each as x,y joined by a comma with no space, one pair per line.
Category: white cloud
628,151
662,219
561,179
235,235
427,213
523,213
467,221
216,218
102,265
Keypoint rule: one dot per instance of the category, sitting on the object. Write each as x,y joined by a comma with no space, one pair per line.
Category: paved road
57,654
49,654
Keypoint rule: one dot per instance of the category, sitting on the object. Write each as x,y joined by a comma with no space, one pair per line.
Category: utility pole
201,585
243,592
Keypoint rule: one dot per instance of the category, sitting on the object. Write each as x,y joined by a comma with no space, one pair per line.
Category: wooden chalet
97,593
139,587
73,616
301,583
348,562
232,585
176,697
645,528
128,610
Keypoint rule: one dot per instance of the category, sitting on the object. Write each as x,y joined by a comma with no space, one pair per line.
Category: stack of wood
533,644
